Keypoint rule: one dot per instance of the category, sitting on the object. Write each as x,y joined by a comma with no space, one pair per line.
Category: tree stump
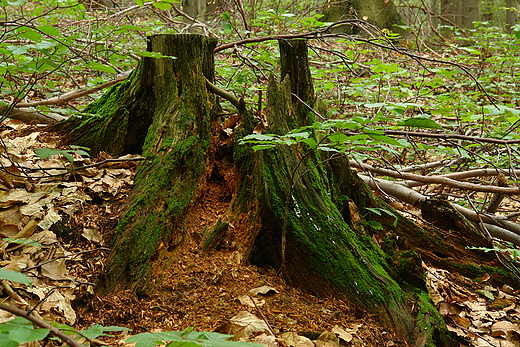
290,211
176,145
323,254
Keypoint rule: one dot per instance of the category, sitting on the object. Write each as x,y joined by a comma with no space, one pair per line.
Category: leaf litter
70,215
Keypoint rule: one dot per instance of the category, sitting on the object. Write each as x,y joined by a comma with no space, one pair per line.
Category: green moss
477,272
110,101
348,260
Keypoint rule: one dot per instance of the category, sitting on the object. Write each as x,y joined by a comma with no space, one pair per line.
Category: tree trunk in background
194,8
461,12
381,13
511,16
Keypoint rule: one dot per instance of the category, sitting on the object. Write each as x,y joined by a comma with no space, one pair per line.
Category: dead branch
505,230
28,114
25,112
41,323
77,93
451,137
442,179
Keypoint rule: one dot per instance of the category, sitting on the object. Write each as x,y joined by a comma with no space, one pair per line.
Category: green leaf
373,224
127,27
297,135
153,55
48,30
23,334
184,344
16,321
420,122
338,137
144,340
101,67
98,330
30,34
187,338
327,148
162,5
81,152
258,138
470,50
388,68
227,26
260,147
44,153
310,142
5,341
386,139
375,105
14,276
68,156
26,242
486,294
378,211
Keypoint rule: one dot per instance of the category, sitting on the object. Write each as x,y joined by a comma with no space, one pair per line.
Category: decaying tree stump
164,108
323,254
296,213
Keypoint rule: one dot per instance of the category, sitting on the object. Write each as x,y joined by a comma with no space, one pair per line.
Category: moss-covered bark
294,195
118,122
175,147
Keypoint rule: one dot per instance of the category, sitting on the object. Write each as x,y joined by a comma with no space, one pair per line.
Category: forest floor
77,212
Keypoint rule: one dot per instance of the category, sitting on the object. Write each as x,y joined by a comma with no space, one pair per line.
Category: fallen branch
505,230
42,324
451,137
74,94
25,112
28,114
444,179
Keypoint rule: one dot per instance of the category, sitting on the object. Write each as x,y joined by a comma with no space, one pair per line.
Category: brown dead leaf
263,290
327,339
266,340
250,301
502,328
294,340
27,230
342,334
245,324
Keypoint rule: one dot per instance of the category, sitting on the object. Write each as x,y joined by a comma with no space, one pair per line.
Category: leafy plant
513,253
14,276
20,330
45,153
187,338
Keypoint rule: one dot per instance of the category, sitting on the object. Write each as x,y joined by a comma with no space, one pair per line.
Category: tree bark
320,252
511,15
460,12
176,144
380,13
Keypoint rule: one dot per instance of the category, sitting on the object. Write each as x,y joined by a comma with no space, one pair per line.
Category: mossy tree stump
168,94
293,212
293,193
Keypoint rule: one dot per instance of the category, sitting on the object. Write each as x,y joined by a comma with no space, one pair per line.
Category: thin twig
42,324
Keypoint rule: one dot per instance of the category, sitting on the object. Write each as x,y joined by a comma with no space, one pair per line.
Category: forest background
449,68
